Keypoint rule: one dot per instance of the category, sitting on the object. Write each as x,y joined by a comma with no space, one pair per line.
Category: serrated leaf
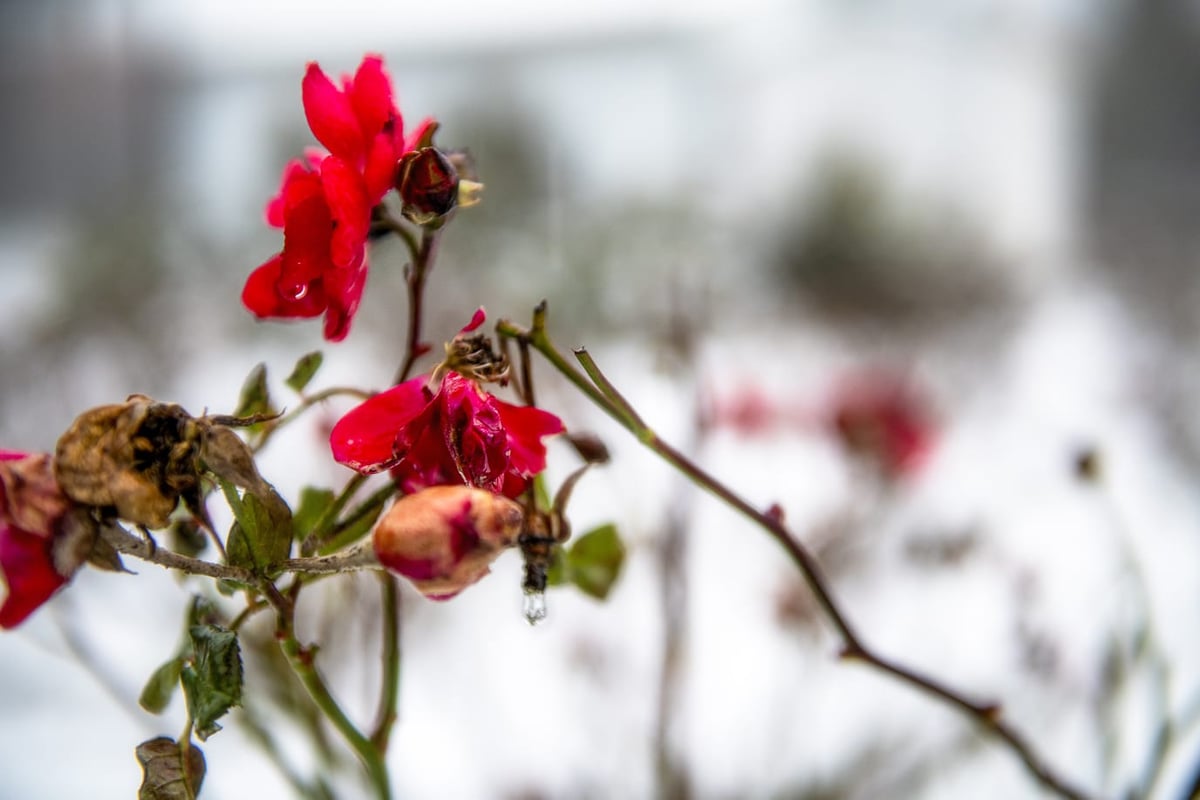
314,503
159,690
212,677
304,370
594,562
170,772
255,397
261,535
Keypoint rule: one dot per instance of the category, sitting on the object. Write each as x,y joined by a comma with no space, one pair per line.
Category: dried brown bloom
141,457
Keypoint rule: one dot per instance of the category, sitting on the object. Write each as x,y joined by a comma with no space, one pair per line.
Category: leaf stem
604,395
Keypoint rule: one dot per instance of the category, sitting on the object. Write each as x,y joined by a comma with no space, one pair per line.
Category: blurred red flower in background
882,417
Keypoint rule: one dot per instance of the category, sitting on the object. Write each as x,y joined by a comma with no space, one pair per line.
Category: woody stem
418,271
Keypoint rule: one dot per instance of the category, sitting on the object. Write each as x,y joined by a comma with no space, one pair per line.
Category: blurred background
923,274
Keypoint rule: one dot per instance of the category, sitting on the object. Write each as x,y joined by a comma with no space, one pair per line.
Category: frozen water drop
535,607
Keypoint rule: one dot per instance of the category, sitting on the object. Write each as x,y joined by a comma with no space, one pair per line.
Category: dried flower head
141,457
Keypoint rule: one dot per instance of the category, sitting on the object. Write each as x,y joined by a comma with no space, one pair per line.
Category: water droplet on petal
298,292
535,607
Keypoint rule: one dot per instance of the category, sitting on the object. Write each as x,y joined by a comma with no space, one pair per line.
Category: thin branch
301,660
987,715
390,696
422,264
125,542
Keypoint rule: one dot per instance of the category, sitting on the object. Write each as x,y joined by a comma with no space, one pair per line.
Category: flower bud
444,538
428,185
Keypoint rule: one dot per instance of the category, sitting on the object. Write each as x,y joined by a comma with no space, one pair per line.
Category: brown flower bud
445,538
428,185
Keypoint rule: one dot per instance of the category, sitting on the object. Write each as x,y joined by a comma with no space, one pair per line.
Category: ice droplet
535,607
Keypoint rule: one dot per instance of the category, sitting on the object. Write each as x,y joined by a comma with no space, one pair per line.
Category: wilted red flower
444,538
459,435
37,557
881,416
325,201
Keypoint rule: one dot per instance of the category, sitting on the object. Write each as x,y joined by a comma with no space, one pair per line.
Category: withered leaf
212,676
170,771
229,458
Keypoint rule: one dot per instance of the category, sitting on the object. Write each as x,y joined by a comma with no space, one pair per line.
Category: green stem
397,227
390,695
321,528
343,534
301,659
307,402
604,395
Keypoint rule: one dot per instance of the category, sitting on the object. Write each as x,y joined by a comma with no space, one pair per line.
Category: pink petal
294,170
365,438
306,244
28,568
477,319
261,295
371,96
380,170
331,116
346,197
526,427
343,289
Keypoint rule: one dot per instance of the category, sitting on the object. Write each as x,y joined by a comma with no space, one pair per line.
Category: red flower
325,200
33,559
883,418
460,435
444,538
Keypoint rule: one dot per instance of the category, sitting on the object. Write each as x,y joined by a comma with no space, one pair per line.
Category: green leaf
170,771
255,397
314,503
352,533
159,690
557,574
304,370
594,562
261,535
212,677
